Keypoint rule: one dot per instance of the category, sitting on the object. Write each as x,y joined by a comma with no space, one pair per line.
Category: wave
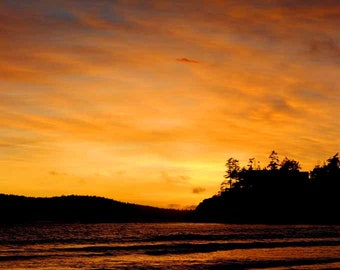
211,247
21,257
185,248
159,249
169,238
243,265
241,236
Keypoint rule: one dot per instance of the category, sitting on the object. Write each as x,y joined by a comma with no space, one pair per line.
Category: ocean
169,246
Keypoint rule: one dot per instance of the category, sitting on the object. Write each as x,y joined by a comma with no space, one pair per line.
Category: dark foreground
169,246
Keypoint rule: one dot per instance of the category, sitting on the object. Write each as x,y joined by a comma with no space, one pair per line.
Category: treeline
277,193
86,209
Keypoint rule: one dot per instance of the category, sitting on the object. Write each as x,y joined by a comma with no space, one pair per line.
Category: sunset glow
144,101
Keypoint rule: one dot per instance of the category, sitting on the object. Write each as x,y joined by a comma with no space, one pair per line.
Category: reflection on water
169,246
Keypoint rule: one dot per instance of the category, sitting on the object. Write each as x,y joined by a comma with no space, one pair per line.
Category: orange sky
143,101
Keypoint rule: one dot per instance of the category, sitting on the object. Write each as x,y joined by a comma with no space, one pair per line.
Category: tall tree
251,164
274,161
232,173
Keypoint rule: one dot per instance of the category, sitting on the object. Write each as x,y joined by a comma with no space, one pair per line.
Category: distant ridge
74,208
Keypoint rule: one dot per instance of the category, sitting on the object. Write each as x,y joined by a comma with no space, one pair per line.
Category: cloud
174,206
53,173
198,190
280,105
176,180
186,60
120,172
310,95
324,49
56,173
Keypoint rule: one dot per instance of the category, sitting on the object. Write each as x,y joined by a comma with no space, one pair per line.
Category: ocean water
169,246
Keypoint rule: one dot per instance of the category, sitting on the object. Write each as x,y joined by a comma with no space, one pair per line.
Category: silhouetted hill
18,209
272,208
279,193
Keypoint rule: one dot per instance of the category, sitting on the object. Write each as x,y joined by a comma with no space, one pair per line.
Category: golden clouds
160,89
186,60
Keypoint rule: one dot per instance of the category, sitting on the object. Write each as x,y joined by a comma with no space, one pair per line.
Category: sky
144,101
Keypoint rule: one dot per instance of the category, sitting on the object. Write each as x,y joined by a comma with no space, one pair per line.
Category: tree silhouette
327,177
251,163
333,163
279,193
274,161
232,173
290,165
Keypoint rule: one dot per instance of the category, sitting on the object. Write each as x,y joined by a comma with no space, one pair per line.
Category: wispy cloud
176,180
186,60
198,190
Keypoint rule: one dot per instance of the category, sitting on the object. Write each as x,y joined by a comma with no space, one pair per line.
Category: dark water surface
169,246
